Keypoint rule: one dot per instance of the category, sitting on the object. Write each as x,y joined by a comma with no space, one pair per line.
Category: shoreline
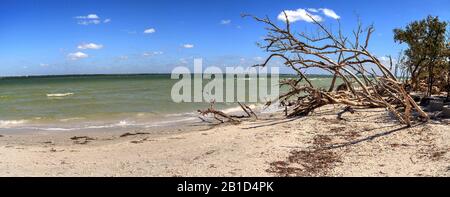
367,143
122,122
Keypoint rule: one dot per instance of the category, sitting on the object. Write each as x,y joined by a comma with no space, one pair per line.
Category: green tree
427,44
447,57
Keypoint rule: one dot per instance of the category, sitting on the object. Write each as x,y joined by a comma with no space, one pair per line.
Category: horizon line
117,74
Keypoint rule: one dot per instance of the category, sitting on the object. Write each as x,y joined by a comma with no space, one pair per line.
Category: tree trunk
430,79
332,83
448,84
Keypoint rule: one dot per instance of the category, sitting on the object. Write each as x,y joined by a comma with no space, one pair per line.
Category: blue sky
45,37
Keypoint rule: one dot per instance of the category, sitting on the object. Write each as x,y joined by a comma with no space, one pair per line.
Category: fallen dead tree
367,82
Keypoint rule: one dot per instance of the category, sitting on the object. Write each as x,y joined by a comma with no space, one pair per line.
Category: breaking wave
60,94
11,123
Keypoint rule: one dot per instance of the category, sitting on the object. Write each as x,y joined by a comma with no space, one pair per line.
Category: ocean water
64,103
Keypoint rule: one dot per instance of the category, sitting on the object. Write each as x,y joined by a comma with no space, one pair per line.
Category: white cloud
330,13
148,54
89,16
313,10
225,22
308,14
188,46
299,15
43,65
90,19
384,58
90,46
88,22
77,55
387,59
92,16
149,31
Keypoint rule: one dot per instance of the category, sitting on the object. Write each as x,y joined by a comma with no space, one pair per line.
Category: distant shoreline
130,74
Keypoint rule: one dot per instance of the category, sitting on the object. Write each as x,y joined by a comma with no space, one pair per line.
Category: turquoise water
68,102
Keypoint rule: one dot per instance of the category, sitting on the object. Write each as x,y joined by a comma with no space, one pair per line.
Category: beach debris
1,136
214,166
222,117
346,109
337,129
247,110
210,152
314,161
139,141
432,152
176,138
219,115
135,133
50,142
53,150
204,120
81,139
367,82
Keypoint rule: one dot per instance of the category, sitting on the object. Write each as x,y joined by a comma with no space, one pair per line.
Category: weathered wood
216,114
348,60
346,109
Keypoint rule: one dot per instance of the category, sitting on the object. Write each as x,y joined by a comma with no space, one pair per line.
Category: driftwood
219,115
139,141
247,110
366,81
136,133
223,117
81,139
346,109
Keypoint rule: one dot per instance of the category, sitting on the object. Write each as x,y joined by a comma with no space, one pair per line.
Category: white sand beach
367,143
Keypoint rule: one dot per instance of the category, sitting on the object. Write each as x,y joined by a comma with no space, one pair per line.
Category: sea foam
10,123
60,94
